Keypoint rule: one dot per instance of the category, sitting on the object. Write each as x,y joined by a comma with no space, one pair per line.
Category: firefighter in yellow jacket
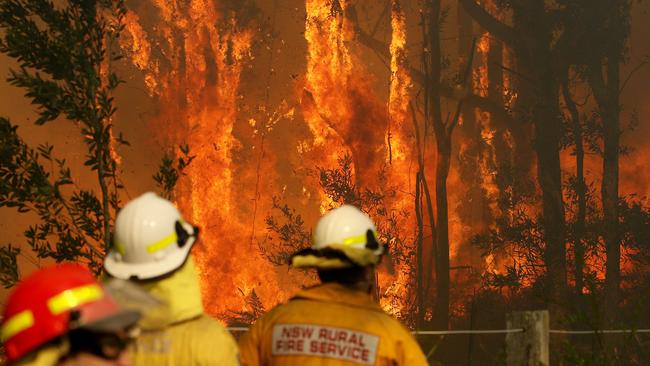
337,322
151,247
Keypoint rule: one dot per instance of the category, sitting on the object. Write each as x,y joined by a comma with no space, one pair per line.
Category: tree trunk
605,88
443,148
495,76
581,191
536,60
609,111
474,209
503,151
441,309
547,147
423,280
419,252
606,91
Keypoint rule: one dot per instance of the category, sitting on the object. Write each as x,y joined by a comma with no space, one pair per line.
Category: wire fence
532,346
467,331
599,331
503,331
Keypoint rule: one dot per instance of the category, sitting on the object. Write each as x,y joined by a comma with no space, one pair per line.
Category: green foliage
9,274
171,168
288,234
64,53
255,309
69,226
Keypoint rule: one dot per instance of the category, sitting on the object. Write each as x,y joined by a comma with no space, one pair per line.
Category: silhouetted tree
64,53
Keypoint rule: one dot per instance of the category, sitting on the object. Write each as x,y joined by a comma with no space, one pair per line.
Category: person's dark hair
344,276
108,346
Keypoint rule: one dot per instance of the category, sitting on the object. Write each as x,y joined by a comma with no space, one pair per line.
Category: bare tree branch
638,67
453,92
490,23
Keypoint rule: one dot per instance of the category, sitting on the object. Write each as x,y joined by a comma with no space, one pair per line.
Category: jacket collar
338,294
180,298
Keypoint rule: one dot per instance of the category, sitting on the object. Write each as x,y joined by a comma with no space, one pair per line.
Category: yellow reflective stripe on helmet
357,239
119,247
16,324
72,298
162,243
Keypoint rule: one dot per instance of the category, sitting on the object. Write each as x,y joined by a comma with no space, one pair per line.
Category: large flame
400,84
195,76
338,105
192,60
345,116
192,56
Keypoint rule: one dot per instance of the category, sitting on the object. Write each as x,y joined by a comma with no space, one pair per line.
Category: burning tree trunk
446,90
397,151
474,208
505,161
422,189
531,41
443,130
432,71
495,77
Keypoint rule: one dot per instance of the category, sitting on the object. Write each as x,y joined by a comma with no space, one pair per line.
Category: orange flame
195,77
399,152
338,105
192,62
400,83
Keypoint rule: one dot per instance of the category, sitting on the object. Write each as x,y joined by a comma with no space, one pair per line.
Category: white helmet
344,237
150,240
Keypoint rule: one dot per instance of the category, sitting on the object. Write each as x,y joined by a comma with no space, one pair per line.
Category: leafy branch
171,168
64,54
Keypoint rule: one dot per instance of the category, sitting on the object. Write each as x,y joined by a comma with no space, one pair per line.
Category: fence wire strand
467,331
603,331
501,331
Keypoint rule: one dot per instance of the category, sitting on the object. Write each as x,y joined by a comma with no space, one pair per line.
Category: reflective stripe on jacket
329,325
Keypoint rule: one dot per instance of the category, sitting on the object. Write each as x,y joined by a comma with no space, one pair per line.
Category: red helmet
51,302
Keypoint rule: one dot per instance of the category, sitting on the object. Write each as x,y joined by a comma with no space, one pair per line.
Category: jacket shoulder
212,342
404,339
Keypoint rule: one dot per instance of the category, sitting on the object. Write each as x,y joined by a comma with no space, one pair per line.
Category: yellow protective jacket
48,355
329,325
179,333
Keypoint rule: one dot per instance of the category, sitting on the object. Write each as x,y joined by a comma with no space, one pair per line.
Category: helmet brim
335,256
150,270
120,321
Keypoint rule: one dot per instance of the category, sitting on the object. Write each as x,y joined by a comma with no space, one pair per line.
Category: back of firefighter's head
344,247
60,315
151,239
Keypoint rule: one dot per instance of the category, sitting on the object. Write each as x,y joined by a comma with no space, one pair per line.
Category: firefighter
337,322
61,316
151,246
